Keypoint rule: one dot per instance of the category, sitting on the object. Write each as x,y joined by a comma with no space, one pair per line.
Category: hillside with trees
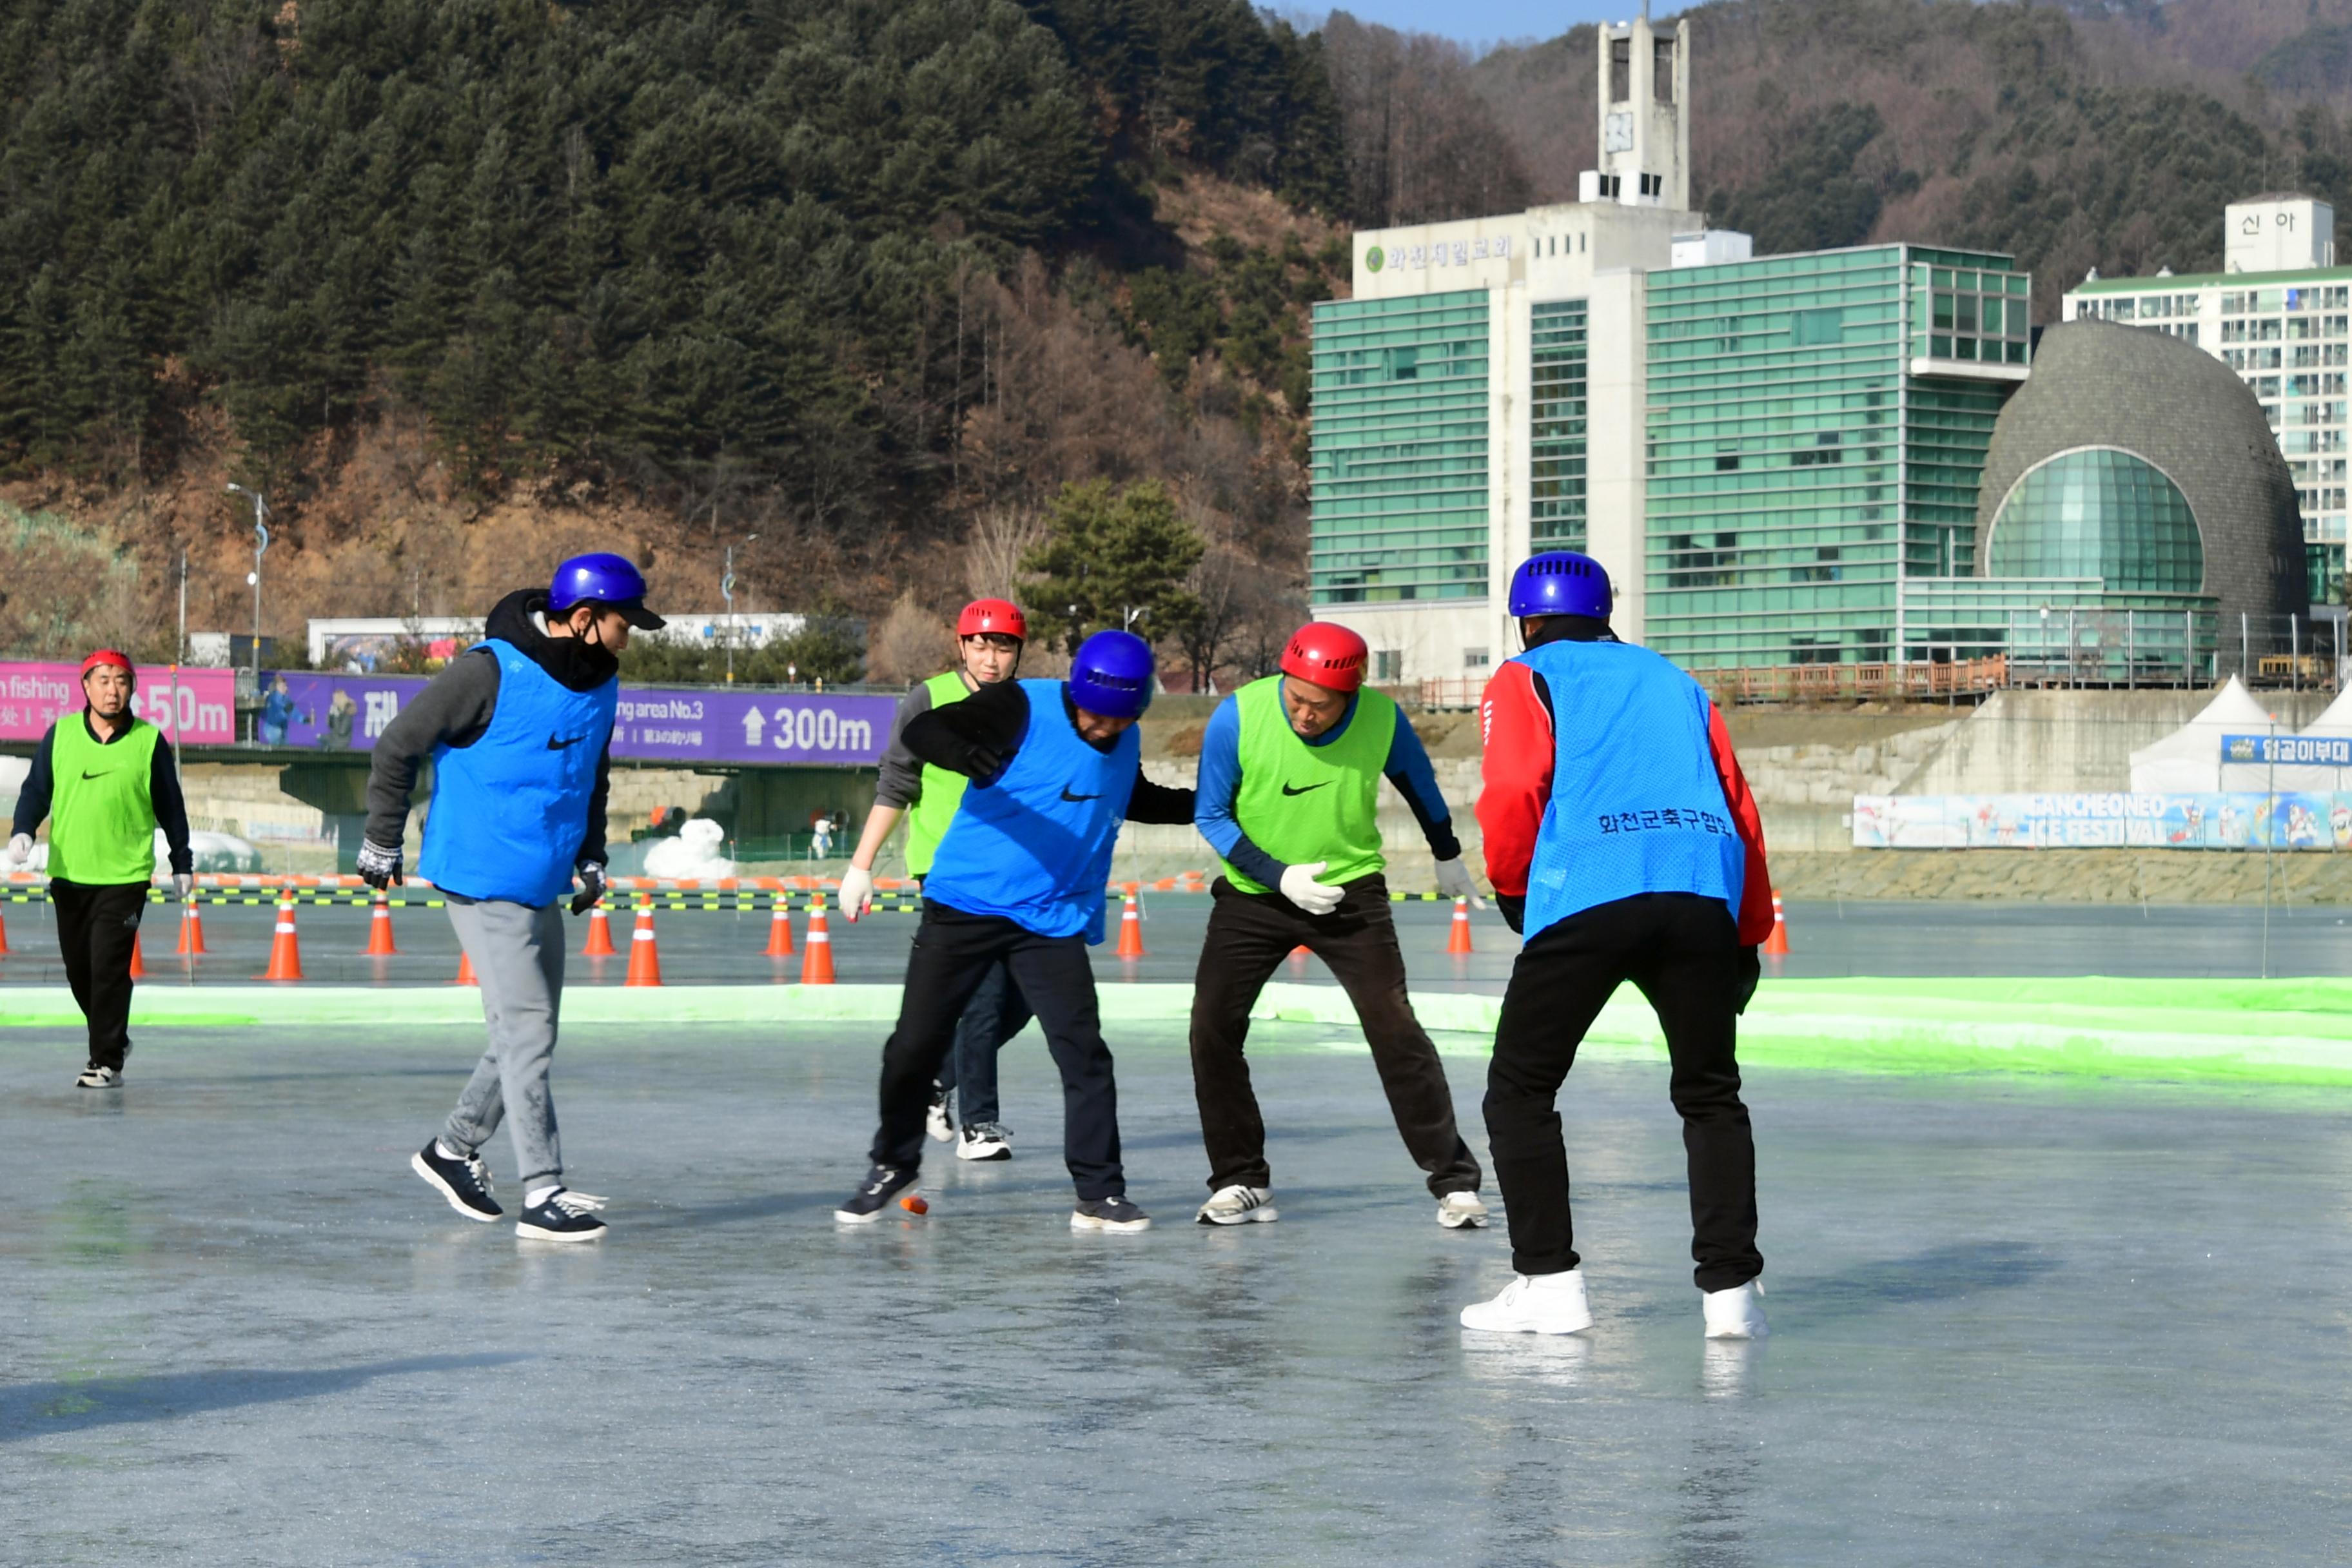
922,293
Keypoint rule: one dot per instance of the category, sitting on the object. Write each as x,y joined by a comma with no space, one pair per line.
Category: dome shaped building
2134,513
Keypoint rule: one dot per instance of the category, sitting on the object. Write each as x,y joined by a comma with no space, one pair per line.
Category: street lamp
727,591
261,543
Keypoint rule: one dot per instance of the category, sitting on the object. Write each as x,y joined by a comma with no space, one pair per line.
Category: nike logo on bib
107,774
1302,789
555,745
1068,797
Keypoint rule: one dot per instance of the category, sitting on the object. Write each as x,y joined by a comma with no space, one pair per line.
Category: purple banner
683,724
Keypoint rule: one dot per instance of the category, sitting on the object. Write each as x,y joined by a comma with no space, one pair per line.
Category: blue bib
1034,847
509,811
1636,805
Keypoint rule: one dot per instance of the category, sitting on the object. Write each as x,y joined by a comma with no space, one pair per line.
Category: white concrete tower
1644,93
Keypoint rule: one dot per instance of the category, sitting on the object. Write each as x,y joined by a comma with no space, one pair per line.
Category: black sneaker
563,1215
1108,1213
882,1183
95,1077
465,1183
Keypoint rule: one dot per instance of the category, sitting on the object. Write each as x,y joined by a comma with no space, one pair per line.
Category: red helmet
1325,654
107,656
1000,615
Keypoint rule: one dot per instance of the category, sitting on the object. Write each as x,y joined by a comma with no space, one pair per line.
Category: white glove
1454,881
184,886
856,891
1299,886
20,848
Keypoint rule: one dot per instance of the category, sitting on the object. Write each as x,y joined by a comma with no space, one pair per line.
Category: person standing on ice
104,778
1289,797
1053,768
516,727
989,636
1623,845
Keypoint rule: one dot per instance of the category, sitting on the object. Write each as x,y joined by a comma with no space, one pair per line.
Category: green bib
1301,803
935,809
101,809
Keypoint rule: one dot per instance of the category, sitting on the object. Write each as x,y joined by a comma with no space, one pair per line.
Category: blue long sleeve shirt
1220,783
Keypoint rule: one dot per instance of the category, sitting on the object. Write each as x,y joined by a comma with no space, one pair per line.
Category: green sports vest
928,818
102,808
1301,803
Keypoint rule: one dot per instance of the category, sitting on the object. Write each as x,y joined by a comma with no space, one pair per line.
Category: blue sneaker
1113,1213
882,1183
465,1183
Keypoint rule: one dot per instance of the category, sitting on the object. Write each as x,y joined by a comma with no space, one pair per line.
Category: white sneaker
936,1120
988,1141
1736,1313
1461,1211
1534,1304
95,1077
1238,1205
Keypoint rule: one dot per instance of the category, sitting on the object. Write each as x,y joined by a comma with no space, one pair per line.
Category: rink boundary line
2218,1031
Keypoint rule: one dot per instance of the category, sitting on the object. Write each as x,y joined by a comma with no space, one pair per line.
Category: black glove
591,886
379,867
1515,910
1750,970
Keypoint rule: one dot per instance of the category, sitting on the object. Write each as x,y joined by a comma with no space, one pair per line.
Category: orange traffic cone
379,943
466,975
192,933
644,952
1131,929
3,938
1778,942
780,928
600,935
816,962
138,959
1457,940
284,950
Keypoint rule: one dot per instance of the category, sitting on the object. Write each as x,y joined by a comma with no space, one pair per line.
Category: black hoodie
457,706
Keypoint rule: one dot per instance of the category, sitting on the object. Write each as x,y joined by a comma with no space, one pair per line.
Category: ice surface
2015,1321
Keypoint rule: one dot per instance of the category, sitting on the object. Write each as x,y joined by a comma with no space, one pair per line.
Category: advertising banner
2289,751
687,725
2104,821
195,707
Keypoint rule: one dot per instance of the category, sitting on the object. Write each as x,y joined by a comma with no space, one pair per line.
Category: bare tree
1217,585
910,644
1000,537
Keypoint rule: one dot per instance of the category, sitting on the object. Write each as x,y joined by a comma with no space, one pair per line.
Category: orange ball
913,1203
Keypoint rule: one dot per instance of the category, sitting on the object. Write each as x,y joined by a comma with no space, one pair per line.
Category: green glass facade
1556,426
1799,470
1399,456
2102,513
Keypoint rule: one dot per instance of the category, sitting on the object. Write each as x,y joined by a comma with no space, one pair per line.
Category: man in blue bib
1055,767
516,729
1623,845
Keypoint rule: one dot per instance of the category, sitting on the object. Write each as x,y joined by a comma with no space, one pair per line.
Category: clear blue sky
1479,23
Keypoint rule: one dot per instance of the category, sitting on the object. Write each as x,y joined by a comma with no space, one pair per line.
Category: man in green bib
1289,796
990,634
103,776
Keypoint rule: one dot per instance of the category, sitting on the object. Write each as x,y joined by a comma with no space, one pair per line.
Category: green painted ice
2273,1031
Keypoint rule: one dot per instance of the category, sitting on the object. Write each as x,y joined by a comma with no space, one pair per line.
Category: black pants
1682,951
95,928
1249,935
996,1013
952,955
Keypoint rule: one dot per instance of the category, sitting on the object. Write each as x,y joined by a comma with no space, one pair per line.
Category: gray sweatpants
517,954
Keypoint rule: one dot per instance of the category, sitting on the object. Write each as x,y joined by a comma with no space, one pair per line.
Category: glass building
1557,426
1816,424
1400,451
2099,512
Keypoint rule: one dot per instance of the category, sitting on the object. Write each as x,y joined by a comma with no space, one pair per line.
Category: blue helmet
603,578
1560,583
1112,675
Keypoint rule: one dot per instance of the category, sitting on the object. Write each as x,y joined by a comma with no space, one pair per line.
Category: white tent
2335,721
2189,761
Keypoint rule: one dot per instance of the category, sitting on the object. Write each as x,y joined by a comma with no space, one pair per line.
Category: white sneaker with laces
1736,1313
95,1077
985,1141
1461,1211
1534,1304
937,1123
1238,1205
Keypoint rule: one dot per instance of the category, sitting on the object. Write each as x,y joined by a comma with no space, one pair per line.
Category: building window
1388,664
1556,421
1475,658
2099,512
